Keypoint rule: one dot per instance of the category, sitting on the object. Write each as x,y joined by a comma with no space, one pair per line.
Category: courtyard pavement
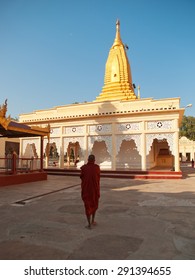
137,219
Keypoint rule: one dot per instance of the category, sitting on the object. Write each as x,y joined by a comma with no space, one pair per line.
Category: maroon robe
90,186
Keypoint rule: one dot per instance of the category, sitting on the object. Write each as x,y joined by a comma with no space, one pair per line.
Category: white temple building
120,128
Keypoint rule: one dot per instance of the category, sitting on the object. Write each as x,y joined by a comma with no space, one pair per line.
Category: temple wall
2,144
2,147
97,109
119,133
99,139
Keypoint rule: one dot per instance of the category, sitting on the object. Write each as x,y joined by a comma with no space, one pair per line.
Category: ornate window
55,130
128,126
157,125
73,130
100,128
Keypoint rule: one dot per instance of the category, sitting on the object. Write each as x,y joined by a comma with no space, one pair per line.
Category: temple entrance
53,154
71,157
30,151
102,156
160,156
128,156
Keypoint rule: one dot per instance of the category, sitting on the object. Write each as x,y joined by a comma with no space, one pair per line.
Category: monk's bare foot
94,223
88,227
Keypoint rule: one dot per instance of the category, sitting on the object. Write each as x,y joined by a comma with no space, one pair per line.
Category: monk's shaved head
91,158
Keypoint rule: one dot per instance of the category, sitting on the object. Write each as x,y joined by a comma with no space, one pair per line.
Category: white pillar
47,154
21,148
143,151
176,151
61,158
192,152
176,146
143,147
86,144
113,155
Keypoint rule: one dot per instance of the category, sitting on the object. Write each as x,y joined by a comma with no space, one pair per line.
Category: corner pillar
61,157
176,151
41,153
143,152
86,145
113,155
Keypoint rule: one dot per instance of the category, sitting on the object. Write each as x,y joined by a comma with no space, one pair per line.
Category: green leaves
187,128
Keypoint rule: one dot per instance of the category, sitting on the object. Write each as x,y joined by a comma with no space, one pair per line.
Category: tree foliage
187,128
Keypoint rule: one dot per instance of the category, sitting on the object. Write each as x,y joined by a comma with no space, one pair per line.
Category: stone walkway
137,219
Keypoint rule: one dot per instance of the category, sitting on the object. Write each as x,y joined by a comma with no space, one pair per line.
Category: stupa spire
117,80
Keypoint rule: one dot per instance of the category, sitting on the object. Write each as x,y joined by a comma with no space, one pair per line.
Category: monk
90,189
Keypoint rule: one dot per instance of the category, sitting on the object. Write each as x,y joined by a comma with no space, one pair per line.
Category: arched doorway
53,154
30,151
160,156
101,147
101,153
128,156
72,156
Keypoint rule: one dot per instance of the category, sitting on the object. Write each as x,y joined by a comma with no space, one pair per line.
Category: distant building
186,149
120,128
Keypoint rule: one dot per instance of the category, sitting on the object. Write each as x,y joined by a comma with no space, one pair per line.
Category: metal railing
14,165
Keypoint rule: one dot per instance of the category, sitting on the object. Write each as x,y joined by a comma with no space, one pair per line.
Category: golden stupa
117,80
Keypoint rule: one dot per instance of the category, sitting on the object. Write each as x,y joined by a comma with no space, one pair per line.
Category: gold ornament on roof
3,120
3,109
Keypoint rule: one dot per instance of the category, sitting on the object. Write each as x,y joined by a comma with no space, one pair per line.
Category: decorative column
46,145
113,154
41,153
192,153
176,151
143,151
176,146
143,147
61,158
21,147
61,148
86,143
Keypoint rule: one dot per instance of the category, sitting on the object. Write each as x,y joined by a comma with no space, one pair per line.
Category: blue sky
53,52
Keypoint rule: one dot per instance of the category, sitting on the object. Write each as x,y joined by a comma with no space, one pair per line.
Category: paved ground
137,219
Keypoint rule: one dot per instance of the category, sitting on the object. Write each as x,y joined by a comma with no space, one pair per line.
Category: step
121,174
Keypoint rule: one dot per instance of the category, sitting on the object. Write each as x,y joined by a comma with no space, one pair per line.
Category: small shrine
15,169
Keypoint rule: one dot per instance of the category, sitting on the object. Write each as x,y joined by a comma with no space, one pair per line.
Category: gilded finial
117,40
118,24
3,109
